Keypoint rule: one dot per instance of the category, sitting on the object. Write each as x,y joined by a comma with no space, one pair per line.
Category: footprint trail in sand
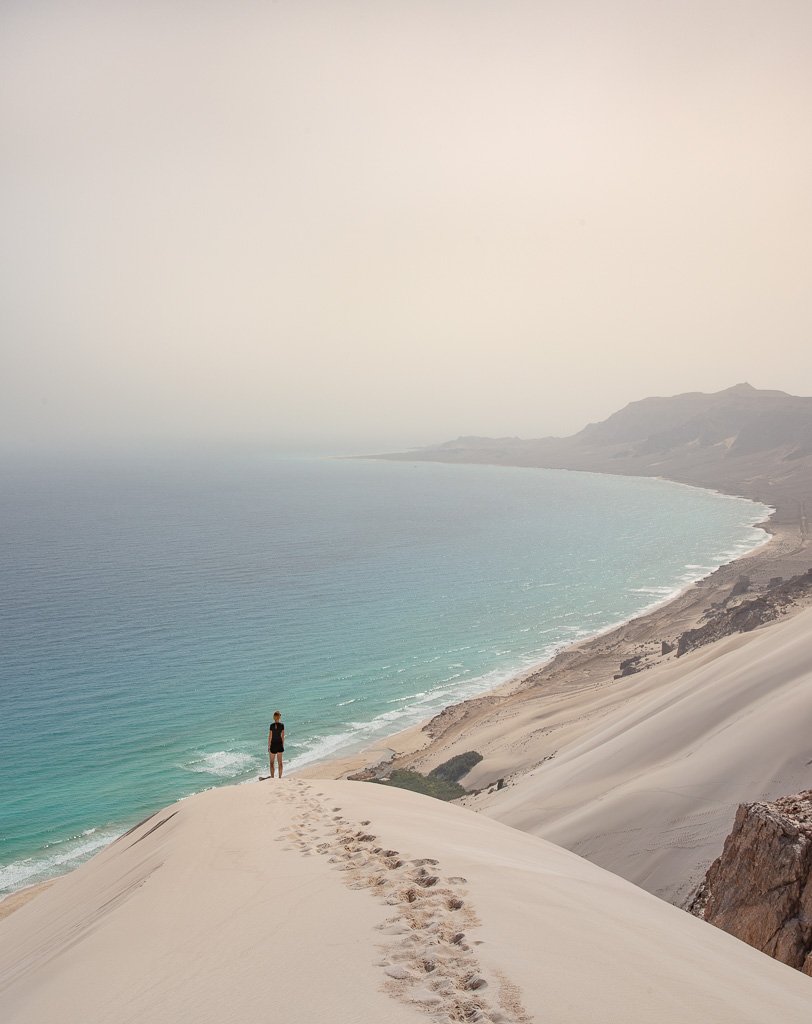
427,957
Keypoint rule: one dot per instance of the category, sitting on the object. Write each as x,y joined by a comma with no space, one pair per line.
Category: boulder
760,889
630,666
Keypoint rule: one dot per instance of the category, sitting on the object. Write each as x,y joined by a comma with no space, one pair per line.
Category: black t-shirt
277,746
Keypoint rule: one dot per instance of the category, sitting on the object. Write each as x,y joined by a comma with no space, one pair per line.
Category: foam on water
227,764
412,711
61,857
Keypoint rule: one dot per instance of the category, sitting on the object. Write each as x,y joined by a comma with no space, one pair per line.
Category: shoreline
412,742
404,741
422,743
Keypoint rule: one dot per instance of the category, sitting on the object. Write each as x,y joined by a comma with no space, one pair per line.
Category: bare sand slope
308,900
645,775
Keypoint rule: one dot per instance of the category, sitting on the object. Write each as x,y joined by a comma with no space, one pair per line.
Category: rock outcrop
748,614
760,889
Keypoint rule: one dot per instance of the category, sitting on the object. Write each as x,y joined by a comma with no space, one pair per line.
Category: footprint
398,972
425,996
426,959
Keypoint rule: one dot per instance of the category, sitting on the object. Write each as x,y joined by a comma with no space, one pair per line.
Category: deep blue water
154,612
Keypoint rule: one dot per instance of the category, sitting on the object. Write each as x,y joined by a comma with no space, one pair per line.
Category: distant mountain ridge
742,418
742,440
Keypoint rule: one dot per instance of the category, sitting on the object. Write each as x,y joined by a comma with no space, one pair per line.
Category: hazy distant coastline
743,441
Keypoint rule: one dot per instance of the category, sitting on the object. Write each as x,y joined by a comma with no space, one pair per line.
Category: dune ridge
315,898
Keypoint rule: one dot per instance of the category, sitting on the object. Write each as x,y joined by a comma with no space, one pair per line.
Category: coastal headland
631,749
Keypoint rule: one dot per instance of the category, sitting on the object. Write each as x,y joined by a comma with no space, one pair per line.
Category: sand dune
351,902
647,774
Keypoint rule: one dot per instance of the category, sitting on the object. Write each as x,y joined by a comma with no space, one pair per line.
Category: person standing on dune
276,742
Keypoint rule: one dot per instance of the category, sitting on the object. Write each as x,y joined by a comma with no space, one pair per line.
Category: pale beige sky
395,221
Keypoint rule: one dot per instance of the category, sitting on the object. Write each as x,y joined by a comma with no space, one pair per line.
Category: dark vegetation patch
404,778
441,782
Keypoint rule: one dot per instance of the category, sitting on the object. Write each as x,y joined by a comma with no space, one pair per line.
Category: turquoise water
154,613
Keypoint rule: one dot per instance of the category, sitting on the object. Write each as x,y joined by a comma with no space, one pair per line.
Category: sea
156,610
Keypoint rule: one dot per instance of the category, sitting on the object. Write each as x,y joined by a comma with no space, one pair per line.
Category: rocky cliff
760,889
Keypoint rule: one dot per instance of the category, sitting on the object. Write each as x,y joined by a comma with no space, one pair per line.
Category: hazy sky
390,222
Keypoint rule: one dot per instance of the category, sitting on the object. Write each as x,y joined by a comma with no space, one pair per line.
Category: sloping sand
309,901
640,774
644,776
